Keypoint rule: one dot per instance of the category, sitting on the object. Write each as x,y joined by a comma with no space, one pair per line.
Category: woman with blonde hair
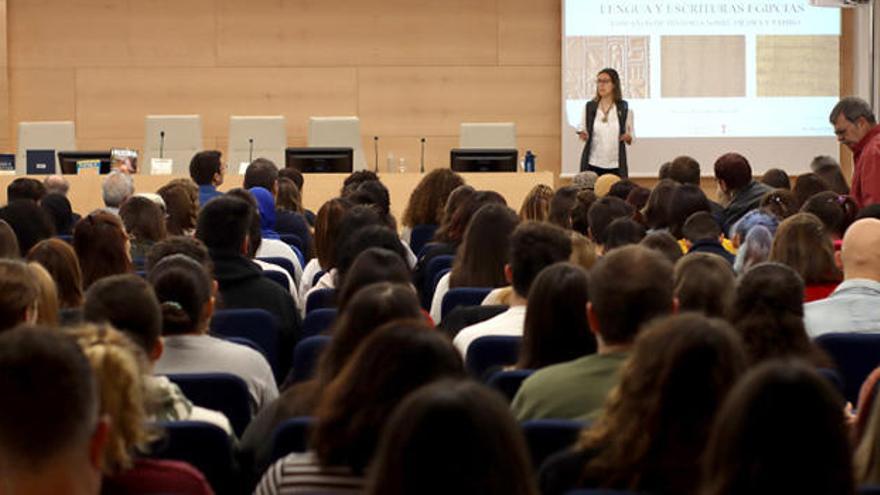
47,301
119,367
536,205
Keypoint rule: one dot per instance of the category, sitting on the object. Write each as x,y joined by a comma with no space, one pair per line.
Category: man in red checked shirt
855,126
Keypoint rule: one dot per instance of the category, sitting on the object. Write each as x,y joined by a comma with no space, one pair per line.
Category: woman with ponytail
186,295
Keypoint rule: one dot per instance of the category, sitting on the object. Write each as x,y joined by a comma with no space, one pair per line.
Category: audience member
802,243
665,244
835,211
261,172
56,184
47,298
851,307
102,246
119,369
758,442
356,178
768,313
622,188
297,177
115,189
8,242
585,180
59,259
481,259
638,198
777,179
207,169
373,265
30,223
58,208
780,202
604,183
622,232
185,294
654,428
628,287
459,196
187,246
128,303
53,439
375,195
357,404
181,199
370,308
357,242
808,185
705,283
739,191
833,176
583,252
290,215
753,250
750,220
271,244
703,235
855,126
562,203
19,294
25,188
556,328
452,437
536,205
601,214
533,246
580,219
144,223
327,226
428,199
684,170
865,457
685,200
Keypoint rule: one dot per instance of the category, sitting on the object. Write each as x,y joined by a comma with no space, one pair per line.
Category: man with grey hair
585,180
855,126
56,184
117,187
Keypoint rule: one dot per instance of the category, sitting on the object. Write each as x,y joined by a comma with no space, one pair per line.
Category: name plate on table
40,162
7,164
242,167
88,167
161,166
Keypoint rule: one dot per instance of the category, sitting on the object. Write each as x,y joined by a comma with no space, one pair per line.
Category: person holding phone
606,127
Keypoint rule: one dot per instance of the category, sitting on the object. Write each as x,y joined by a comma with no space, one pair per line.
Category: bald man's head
859,253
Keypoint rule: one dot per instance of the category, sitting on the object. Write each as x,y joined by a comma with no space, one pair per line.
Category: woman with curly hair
428,199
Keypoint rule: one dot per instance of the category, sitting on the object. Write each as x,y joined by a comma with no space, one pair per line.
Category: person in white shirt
606,127
533,247
852,307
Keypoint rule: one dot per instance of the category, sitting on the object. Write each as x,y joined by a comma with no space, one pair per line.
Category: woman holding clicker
607,127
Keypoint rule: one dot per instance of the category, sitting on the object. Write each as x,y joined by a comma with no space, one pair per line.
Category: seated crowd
682,338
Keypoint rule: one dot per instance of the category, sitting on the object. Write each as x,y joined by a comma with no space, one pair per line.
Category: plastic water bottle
530,161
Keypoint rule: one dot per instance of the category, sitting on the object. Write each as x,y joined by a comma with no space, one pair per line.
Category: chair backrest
183,139
222,392
318,320
291,436
856,356
491,351
869,490
338,132
421,235
317,276
462,296
321,298
277,277
257,325
281,262
203,445
433,273
508,382
269,135
57,135
501,135
306,355
465,316
600,491
545,437
292,240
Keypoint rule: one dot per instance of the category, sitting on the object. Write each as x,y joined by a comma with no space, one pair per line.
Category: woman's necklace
605,111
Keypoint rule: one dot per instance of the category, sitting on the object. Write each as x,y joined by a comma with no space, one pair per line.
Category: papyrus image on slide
587,55
797,65
703,66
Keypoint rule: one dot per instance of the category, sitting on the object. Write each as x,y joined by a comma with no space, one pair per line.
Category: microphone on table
422,165
376,152
161,144
251,150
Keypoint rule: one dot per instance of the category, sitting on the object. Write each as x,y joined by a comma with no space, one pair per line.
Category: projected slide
716,69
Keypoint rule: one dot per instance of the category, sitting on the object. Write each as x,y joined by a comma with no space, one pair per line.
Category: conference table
85,189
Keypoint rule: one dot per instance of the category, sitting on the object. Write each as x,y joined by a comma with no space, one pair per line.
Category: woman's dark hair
371,266
181,206
665,244
327,225
30,223
623,232
99,240
580,214
556,327
615,80
782,203
777,179
375,195
288,197
638,198
483,252
768,313
705,283
781,430
356,404
452,437
622,188
656,212
453,231
835,211
686,200
8,242
58,207
457,197
143,219
561,205
59,259
362,239
183,287
802,243
807,185
656,422
426,202
833,176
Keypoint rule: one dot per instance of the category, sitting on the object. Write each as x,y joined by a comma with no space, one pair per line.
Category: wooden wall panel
40,94
357,32
113,102
5,121
529,32
412,101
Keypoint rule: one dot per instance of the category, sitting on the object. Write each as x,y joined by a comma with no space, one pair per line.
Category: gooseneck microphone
422,165
161,144
376,152
250,150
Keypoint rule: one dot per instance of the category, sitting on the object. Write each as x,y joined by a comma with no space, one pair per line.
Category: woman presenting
607,125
